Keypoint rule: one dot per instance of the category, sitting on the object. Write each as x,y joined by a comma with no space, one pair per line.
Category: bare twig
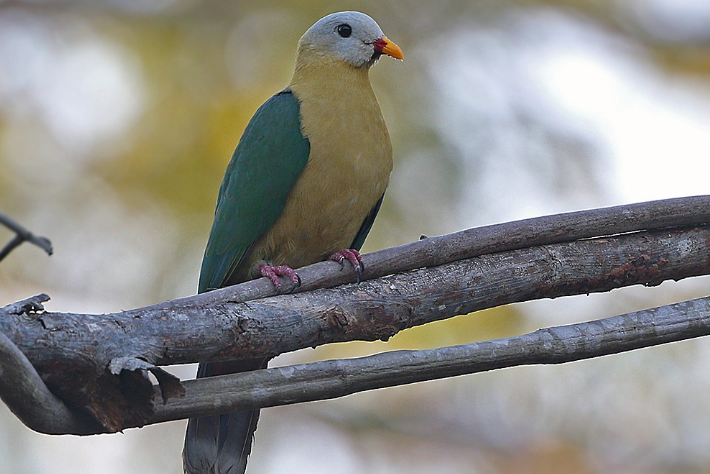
22,235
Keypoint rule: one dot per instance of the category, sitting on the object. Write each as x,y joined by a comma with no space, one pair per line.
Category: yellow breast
347,171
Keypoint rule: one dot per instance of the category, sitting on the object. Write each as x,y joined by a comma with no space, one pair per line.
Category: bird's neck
331,75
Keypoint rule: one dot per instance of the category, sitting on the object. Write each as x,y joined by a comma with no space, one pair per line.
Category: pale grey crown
347,35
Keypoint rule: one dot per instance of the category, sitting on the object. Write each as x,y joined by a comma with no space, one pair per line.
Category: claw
273,274
295,284
352,256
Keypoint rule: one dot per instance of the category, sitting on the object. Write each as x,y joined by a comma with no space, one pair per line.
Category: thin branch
567,227
24,392
22,235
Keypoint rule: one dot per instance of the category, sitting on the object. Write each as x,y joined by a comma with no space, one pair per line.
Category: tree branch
24,392
97,364
22,235
433,251
338,378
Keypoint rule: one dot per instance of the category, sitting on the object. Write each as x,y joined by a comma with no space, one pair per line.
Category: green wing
266,164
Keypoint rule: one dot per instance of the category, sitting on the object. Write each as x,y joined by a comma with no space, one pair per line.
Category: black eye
344,30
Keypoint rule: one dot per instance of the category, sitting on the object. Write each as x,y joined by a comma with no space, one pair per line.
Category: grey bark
338,378
97,364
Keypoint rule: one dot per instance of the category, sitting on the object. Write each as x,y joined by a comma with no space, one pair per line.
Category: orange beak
386,46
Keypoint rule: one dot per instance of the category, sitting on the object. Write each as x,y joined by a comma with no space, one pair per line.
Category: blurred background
118,117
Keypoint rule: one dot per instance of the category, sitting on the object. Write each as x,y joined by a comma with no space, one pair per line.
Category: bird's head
352,37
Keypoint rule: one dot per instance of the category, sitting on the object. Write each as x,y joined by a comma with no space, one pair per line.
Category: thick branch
97,363
378,309
73,351
337,378
22,235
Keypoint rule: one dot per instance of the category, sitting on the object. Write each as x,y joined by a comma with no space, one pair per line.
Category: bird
304,185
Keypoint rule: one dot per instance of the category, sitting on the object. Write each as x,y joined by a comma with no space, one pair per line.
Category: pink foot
352,256
273,274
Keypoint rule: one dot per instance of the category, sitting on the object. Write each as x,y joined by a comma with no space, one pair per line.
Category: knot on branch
642,268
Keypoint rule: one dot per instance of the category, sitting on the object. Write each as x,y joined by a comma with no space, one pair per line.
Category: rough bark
97,364
338,378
